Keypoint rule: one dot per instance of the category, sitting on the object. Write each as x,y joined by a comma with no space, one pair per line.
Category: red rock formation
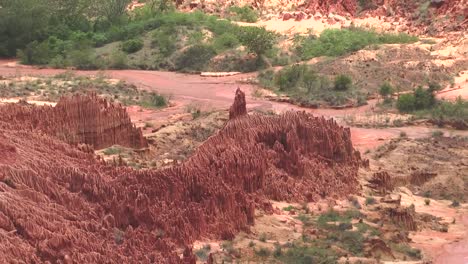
84,119
238,108
419,177
342,7
59,204
381,183
404,217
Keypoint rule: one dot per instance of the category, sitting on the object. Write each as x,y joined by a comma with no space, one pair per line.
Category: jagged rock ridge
78,119
59,204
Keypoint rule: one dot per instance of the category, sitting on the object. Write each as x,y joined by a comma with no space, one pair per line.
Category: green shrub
195,58
370,200
164,41
263,252
437,133
132,45
244,13
118,60
343,82
455,112
291,77
385,89
83,59
225,41
406,103
155,101
455,203
262,237
258,40
289,208
337,42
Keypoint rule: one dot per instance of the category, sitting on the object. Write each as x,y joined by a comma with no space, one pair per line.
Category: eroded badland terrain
234,131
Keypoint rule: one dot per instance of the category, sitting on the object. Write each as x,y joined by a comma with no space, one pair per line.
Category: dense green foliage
154,37
418,100
195,58
337,42
422,103
343,82
132,45
307,87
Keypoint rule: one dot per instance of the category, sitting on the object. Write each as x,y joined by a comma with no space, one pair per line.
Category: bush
370,200
405,103
155,101
83,59
437,133
455,203
164,41
132,45
427,201
291,77
385,89
225,41
263,252
258,40
453,112
244,13
343,82
118,60
195,58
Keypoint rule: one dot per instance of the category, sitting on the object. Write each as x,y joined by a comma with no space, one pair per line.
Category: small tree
258,40
343,82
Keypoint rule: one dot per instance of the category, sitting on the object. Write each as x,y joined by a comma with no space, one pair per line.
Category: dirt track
215,93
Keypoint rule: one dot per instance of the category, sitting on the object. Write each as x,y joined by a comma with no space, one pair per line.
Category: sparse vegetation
243,13
427,202
337,42
203,252
370,200
289,208
308,88
51,89
455,203
263,252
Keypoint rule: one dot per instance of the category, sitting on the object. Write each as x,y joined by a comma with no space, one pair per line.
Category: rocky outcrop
239,107
404,217
326,7
78,119
59,204
381,183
